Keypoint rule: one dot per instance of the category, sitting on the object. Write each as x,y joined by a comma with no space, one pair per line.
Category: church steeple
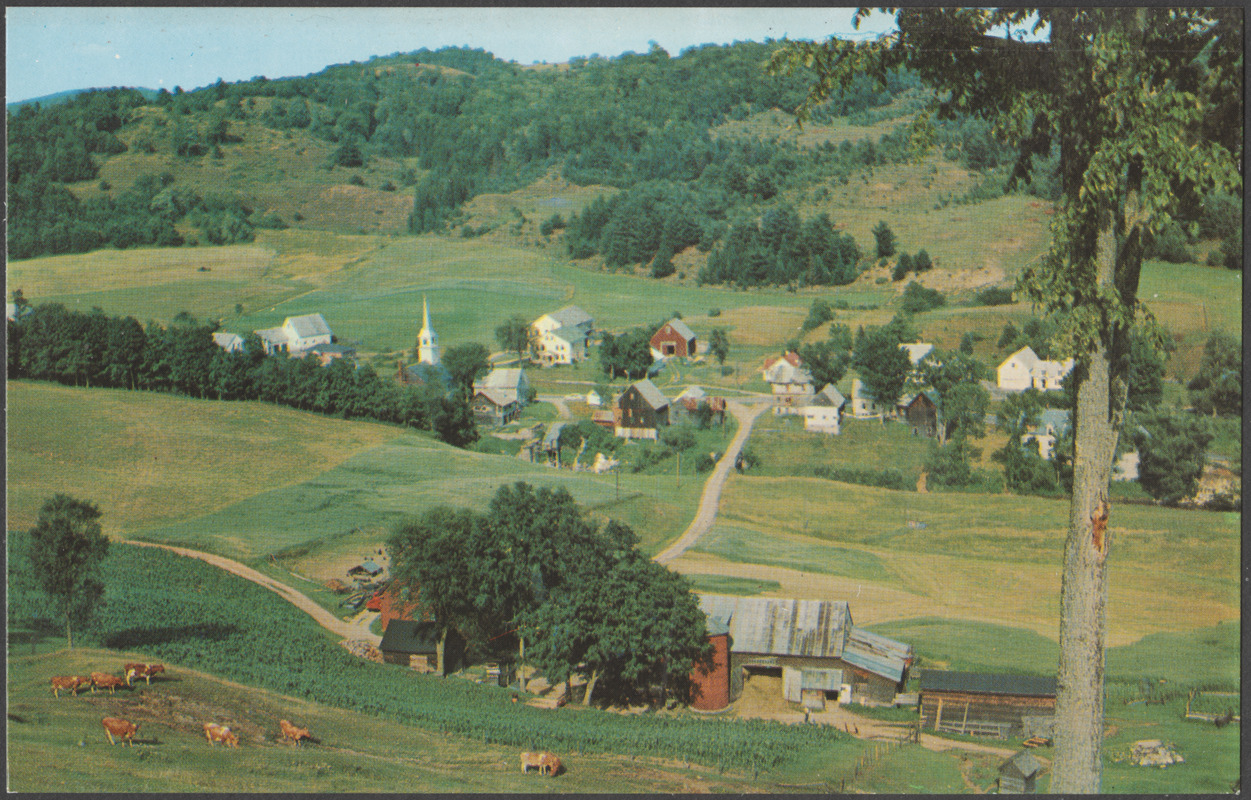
427,339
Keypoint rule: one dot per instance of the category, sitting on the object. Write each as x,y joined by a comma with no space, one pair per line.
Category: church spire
427,339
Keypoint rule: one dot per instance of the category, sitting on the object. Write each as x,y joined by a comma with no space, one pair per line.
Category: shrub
356,180
994,296
916,298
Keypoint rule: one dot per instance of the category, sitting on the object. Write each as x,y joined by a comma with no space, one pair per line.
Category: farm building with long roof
811,644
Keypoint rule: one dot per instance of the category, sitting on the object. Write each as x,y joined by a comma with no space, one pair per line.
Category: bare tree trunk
590,687
69,634
440,650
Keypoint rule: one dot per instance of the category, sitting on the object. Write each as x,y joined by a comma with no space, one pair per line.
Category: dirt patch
157,710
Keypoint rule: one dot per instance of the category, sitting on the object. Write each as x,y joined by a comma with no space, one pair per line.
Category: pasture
993,558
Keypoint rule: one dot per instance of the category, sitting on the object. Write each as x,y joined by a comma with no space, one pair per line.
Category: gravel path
358,628
711,498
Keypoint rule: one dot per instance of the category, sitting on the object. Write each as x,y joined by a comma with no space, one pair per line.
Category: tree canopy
66,550
1144,106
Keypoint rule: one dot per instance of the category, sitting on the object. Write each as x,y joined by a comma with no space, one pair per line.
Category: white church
427,339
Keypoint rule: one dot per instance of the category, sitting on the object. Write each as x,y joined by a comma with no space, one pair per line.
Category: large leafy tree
66,550
882,364
466,363
1144,106
1171,451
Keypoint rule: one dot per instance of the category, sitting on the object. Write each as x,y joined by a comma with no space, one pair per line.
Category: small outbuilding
1019,774
920,411
674,339
416,645
367,568
985,704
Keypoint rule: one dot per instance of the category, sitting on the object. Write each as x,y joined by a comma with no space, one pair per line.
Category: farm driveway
711,498
348,630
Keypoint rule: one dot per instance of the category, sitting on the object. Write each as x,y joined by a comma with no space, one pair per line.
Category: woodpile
337,586
362,649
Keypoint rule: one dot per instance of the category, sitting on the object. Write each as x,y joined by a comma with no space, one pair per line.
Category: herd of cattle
118,729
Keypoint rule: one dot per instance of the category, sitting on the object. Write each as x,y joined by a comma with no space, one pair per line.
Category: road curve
711,498
348,630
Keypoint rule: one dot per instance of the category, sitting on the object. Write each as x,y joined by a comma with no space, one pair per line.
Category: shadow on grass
139,637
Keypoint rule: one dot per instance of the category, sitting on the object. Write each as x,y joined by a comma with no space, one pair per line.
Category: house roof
783,371
366,566
503,378
308,325
567,334
935,680
410,636
1022,765
928,394
272,335
680,328
651,394
1055,418
828,396
341,349
877,654
226,340
781,626
916,351
498,397
692,392
571,316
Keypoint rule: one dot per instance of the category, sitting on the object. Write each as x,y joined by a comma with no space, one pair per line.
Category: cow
153,669
220,733
115,726
145,671
68,683
292,733
544,762
104,681
133,671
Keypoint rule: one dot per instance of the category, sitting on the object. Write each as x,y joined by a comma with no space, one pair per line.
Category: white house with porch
296,334
1024,370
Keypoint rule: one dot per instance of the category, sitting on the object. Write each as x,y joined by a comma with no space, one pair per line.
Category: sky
50,49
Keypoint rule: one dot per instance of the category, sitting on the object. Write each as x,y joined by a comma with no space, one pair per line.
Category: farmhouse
1051,425
416,645
986,704
811,644
561,337
296,334
641,410
1024,370
674,339
920,411
493,406
824,412
230,342
325,353
512,380
863,404
791,383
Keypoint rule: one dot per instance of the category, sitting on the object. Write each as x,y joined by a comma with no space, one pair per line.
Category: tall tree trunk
69,634
440,651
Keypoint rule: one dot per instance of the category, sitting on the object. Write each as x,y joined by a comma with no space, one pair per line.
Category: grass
1171,570
753,546
148,459
726,584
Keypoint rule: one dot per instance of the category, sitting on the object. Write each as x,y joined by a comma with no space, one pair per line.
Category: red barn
674,339
711,685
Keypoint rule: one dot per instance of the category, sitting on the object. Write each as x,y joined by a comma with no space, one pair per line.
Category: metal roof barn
778,626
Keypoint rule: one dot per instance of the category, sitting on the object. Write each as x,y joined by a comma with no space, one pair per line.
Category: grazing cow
104,681
69,683
153,669
550,764
292,733
544,762
220,733
145,671
115,726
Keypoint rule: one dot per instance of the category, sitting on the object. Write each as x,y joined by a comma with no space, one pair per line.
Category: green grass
969,646
751,546
785,448
728,584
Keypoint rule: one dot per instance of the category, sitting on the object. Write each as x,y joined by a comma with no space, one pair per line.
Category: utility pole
679,469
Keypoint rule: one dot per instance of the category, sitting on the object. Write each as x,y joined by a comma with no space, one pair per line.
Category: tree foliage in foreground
1172,449
583,598
1144,106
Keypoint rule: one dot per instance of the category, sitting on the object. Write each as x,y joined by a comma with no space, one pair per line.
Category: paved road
711,498
358,628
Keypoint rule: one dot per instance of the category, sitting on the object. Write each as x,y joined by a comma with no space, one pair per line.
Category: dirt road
711,498
357,628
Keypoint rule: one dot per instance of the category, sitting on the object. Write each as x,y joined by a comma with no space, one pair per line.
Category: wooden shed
921,413
1019,774
983,704
416,645
642,409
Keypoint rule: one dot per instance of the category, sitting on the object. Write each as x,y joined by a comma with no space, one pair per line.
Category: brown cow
220,733
116,726
544,762
145,671
69,683
152,669
292,733
104,681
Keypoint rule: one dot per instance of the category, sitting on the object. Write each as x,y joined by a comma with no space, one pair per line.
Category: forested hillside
673,142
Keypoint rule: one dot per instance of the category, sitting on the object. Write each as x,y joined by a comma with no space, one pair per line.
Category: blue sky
53,49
